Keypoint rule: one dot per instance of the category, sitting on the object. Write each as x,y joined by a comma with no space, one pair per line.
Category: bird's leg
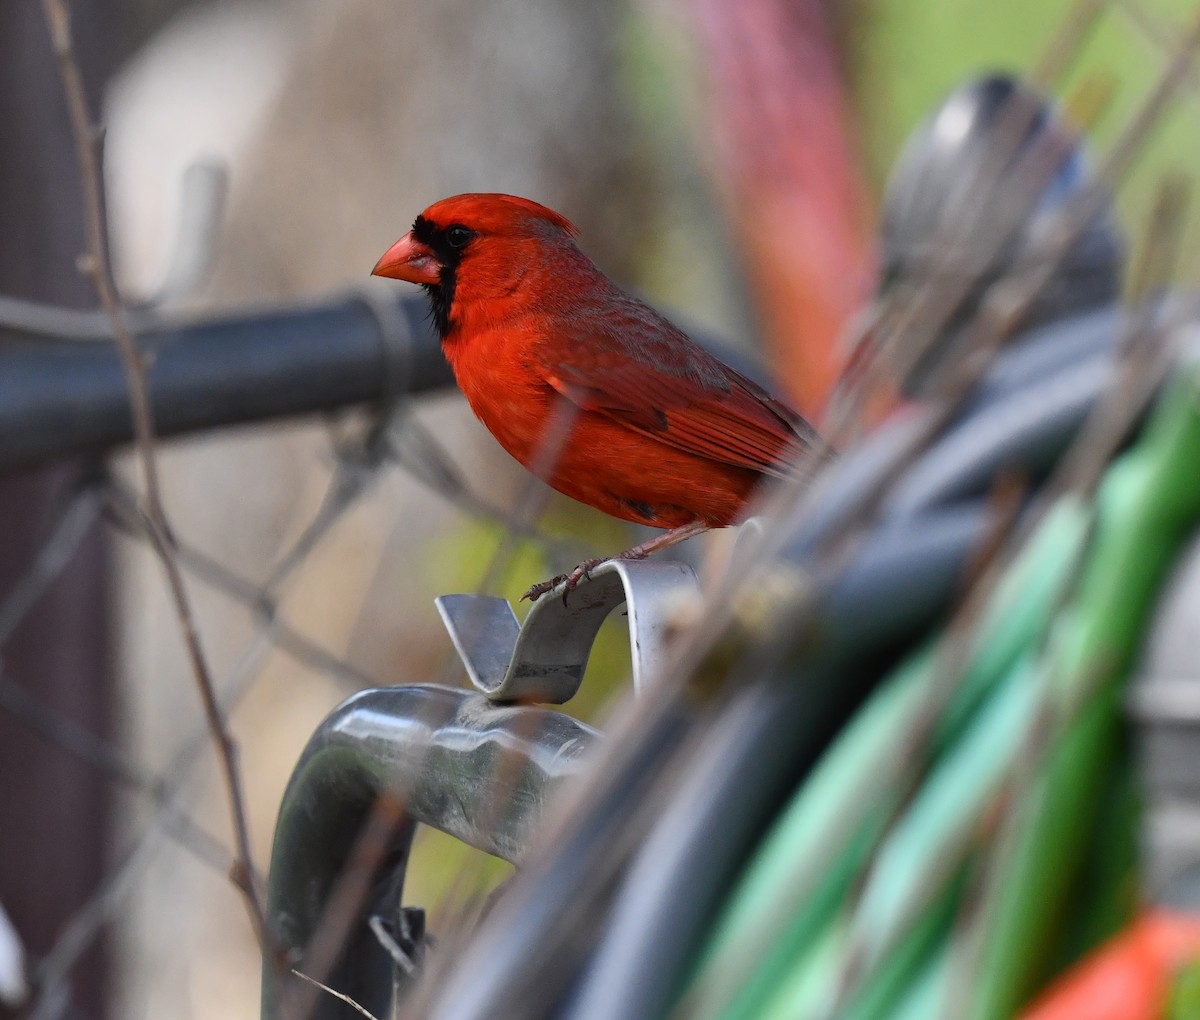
638,552
663,541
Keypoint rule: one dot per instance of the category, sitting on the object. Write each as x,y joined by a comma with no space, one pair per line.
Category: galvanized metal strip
543,659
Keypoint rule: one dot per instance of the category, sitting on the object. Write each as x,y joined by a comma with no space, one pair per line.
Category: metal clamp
448,759
543,659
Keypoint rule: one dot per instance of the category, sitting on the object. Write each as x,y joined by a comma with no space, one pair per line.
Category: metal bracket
428,755
543,659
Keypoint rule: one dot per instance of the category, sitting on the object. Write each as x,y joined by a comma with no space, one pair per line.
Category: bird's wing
636,368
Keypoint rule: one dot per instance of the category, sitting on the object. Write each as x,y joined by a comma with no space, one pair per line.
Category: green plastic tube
793,885
1149,503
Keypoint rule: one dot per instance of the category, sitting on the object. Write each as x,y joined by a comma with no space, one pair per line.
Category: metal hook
543,659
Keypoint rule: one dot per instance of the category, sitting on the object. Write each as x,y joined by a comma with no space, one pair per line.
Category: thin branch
337,995
96,264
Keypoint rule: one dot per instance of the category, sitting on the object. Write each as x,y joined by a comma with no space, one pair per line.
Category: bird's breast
508,396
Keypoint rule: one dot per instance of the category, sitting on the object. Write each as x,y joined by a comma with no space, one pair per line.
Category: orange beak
409,259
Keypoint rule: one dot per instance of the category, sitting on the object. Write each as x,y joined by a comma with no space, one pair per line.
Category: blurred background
725,160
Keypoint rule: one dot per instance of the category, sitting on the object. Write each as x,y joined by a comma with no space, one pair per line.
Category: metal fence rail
64,397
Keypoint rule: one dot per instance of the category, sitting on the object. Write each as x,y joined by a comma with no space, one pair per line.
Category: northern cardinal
589,388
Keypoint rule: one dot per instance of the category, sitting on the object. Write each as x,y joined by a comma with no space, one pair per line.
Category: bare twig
96,264
337,995
1067,42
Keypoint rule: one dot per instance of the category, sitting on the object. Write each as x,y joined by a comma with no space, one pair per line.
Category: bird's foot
569,581
540,589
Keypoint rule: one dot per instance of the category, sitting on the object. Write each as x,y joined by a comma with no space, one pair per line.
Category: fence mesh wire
165,793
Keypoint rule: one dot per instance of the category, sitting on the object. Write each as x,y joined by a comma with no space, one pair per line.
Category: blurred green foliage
1184,1002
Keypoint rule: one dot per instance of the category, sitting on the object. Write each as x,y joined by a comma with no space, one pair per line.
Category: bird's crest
498,213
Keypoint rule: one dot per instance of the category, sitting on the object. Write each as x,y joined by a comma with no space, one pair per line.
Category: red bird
589,388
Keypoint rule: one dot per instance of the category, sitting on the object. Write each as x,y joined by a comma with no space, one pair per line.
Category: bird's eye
458,235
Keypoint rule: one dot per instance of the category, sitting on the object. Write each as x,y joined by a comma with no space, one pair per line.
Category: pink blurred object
782,138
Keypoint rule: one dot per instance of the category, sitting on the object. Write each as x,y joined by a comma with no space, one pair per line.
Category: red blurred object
1129,977
799,205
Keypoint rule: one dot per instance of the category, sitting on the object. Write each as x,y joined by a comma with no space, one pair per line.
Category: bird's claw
540,589
569,582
